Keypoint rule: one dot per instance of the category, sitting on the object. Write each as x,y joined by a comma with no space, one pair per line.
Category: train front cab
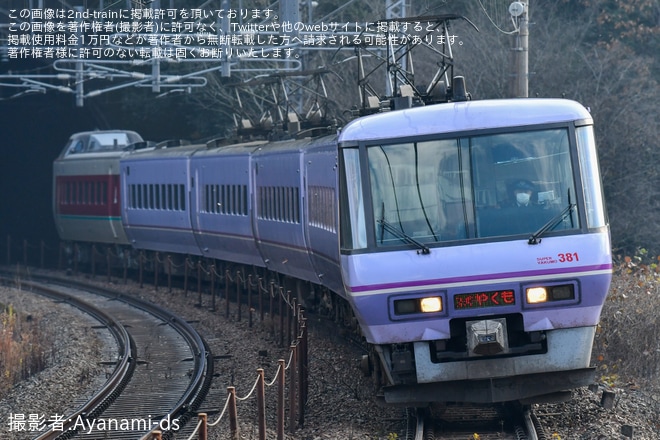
86,191
466,295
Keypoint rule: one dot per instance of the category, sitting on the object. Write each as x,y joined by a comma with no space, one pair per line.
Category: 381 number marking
568,257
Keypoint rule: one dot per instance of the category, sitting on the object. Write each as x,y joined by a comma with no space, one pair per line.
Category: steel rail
116,382
202,376
197,387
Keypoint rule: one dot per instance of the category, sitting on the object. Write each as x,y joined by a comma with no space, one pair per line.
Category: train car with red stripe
86,190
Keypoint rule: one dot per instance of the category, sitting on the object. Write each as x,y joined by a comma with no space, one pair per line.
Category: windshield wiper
535,237
387,226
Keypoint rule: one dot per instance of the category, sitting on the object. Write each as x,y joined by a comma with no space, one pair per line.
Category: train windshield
99,142
474,187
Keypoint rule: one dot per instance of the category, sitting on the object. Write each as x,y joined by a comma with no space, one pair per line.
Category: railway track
162,369
483,422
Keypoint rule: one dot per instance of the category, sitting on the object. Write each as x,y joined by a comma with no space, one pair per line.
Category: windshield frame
371,218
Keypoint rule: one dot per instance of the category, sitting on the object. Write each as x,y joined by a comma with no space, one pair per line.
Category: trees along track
162,370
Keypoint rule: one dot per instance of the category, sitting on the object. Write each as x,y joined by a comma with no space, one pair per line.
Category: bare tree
570,56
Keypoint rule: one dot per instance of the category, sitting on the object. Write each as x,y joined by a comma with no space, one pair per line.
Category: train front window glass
523,181
418,191
107,142
471,187
101,142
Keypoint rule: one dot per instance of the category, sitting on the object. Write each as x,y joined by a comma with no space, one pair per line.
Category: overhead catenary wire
515,30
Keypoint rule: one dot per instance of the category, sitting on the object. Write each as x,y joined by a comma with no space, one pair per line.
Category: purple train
469,239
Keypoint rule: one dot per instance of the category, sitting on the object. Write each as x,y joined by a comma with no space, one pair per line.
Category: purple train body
465,290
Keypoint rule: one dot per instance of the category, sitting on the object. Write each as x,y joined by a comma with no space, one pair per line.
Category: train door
109,194
194,201
279,212
322,226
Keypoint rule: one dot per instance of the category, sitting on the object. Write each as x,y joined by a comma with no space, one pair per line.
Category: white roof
462,116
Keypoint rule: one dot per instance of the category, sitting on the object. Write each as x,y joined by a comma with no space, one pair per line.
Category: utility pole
520,74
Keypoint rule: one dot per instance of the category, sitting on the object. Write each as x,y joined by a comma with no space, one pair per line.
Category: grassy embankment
627,347
23,347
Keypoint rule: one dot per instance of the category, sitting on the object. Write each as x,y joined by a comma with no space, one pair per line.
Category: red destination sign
480,300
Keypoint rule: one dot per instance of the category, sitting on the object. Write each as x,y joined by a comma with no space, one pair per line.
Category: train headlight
431,304
537,295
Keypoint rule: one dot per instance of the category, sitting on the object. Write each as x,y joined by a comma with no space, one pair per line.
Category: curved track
161,372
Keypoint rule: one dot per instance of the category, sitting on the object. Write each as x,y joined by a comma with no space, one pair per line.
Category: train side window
353,224
296,205
591,180
245,200
270,203
104,193
236,202
276,203
321,209
223,199
271,209
156,188
86,192
285,200
263,202
161,195
182,200
215,204
132,196
75,146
